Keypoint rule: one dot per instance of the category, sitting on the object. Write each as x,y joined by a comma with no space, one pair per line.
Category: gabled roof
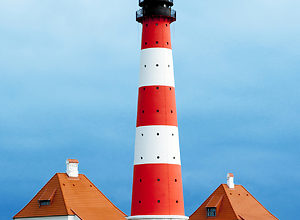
236,203
71,196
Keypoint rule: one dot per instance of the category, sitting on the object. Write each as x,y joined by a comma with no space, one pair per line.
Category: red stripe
156,106
157,190
156,33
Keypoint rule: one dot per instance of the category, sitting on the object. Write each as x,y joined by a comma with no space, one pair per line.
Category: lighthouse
157,183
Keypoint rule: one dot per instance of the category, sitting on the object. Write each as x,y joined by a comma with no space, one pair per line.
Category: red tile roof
236,203
72,196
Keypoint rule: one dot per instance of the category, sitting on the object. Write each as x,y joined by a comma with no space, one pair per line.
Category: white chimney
72,167
230,182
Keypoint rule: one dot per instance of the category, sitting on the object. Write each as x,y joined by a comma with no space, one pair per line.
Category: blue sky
68,89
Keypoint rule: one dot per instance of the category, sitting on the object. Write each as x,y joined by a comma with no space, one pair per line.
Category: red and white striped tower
157,184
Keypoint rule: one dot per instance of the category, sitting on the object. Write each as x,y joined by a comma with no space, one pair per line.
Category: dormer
213,206
47,197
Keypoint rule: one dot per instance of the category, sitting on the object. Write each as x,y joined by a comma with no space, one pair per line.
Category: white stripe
157,144
159,217
156,67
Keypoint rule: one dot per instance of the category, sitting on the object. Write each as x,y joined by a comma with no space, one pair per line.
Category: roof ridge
259,202
223,187
121,212
76,214
62,192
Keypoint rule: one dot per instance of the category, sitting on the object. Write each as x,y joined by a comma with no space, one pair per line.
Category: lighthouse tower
157,184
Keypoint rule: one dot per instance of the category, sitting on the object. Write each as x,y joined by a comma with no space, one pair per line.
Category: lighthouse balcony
157,11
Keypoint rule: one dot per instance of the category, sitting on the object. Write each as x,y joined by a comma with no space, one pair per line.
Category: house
231,202
70,196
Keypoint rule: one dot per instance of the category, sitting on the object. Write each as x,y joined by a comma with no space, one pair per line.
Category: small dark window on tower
173,158
175,180
157,87
170,88
141,158
211,211
142,134
140,201
145,65
157,157
166,25
167,43
156,42
157,65
172,134
143,111
158,201
144,88
157,134
171,111
145,43
140,180
146,25
168,65
176,201
157,110
156,24
158,180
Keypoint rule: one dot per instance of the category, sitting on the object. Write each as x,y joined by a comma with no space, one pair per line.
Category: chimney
230,182
72,167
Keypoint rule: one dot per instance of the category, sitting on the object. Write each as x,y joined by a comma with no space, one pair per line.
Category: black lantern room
155,8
